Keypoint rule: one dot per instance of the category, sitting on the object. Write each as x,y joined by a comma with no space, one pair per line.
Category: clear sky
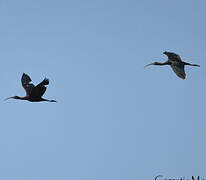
114,120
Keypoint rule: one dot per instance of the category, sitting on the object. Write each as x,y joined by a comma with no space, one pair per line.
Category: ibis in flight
33,93
174,60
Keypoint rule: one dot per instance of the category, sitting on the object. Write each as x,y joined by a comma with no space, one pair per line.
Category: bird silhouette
33,93
174,60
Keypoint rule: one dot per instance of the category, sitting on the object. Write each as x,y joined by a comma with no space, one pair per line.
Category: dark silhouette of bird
33,93
176,64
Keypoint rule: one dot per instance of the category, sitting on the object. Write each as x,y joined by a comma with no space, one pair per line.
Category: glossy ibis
33,93
176,64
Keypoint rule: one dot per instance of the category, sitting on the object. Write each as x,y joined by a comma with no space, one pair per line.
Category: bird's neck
21,98
162,64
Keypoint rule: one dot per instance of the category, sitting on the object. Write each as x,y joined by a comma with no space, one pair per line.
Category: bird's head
13,97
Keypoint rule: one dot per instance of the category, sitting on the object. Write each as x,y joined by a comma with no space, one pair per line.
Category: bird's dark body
38,91
35,100
174,60
33,93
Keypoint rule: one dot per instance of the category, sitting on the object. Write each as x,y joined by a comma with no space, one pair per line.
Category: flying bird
33,93
174,60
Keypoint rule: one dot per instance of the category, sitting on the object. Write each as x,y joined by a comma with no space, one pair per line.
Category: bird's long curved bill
7,98
148,65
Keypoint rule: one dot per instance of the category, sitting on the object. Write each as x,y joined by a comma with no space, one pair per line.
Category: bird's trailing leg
191,64
42,99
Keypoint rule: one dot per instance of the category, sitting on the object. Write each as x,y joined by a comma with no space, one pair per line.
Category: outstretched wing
39,90
173,57
179,69
25,81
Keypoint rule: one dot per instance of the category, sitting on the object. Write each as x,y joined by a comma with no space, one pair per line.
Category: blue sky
114,119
